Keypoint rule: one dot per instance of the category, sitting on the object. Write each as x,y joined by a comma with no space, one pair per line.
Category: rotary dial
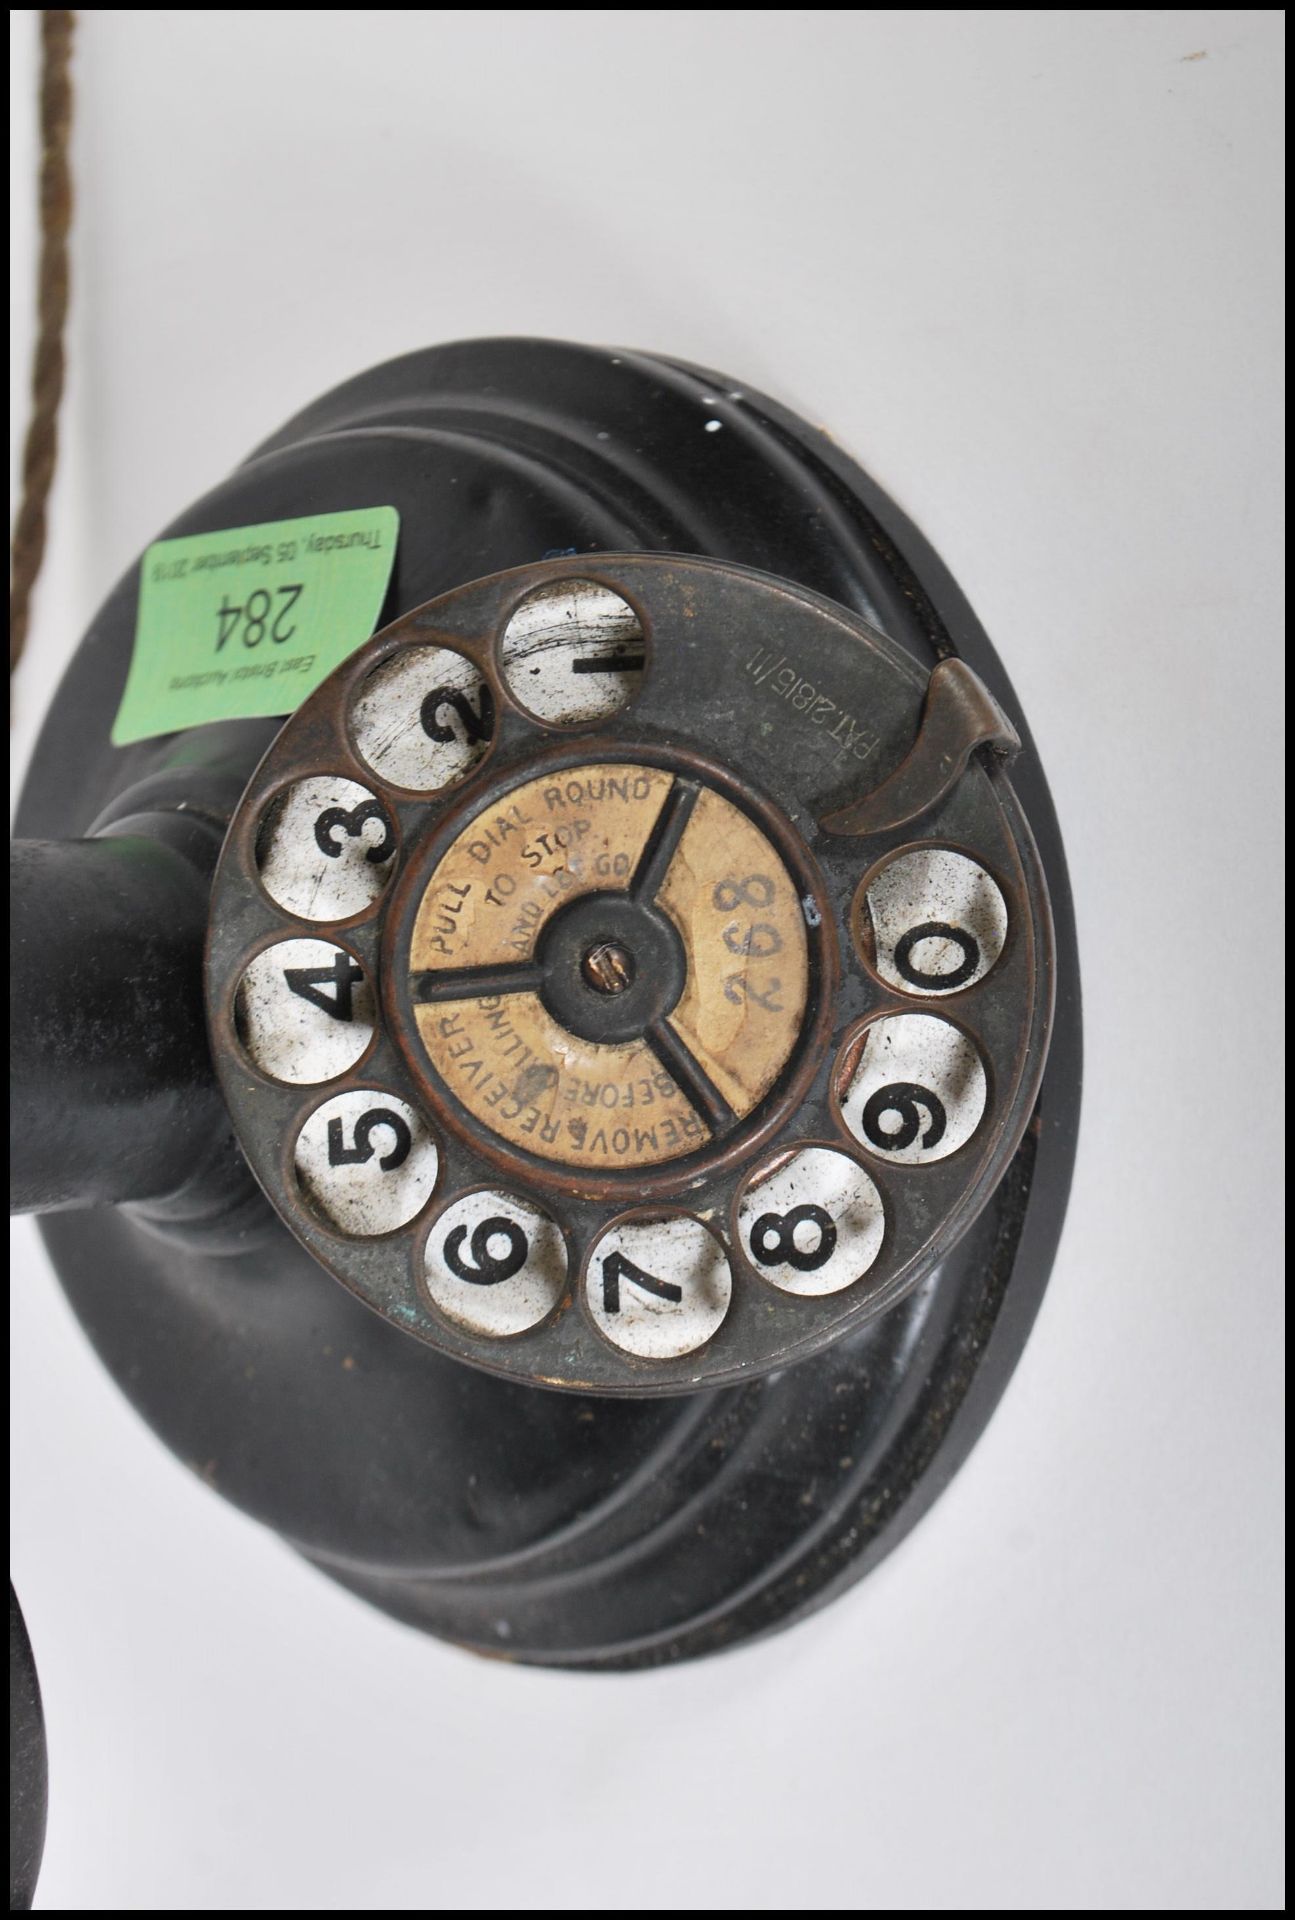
630,975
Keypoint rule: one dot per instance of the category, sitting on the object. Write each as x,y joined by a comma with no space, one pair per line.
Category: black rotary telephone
576,1119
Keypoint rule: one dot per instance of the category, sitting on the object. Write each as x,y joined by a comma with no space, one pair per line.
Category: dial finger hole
573,652
813,1224
495,1264
304,1011
366,1161
424,719
914,1088
931,921
326,848
658,1285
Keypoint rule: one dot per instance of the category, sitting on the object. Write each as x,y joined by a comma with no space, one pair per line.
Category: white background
1025,265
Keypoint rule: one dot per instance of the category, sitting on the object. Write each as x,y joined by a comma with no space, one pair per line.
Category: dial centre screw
608,967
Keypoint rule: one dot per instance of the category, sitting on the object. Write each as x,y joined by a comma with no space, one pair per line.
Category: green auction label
243,624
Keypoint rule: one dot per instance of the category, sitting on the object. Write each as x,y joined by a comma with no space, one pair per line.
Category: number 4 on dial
311,983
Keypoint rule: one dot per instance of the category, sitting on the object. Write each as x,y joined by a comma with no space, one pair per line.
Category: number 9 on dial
917,1089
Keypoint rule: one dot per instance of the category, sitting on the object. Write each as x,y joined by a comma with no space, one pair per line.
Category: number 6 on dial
494,1263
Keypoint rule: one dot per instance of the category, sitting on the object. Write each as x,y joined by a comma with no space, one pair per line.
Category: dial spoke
663,841
475,983
691,1078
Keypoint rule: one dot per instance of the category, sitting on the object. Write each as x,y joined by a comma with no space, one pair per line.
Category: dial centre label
499,961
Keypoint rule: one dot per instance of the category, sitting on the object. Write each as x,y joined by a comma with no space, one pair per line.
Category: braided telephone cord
27,547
